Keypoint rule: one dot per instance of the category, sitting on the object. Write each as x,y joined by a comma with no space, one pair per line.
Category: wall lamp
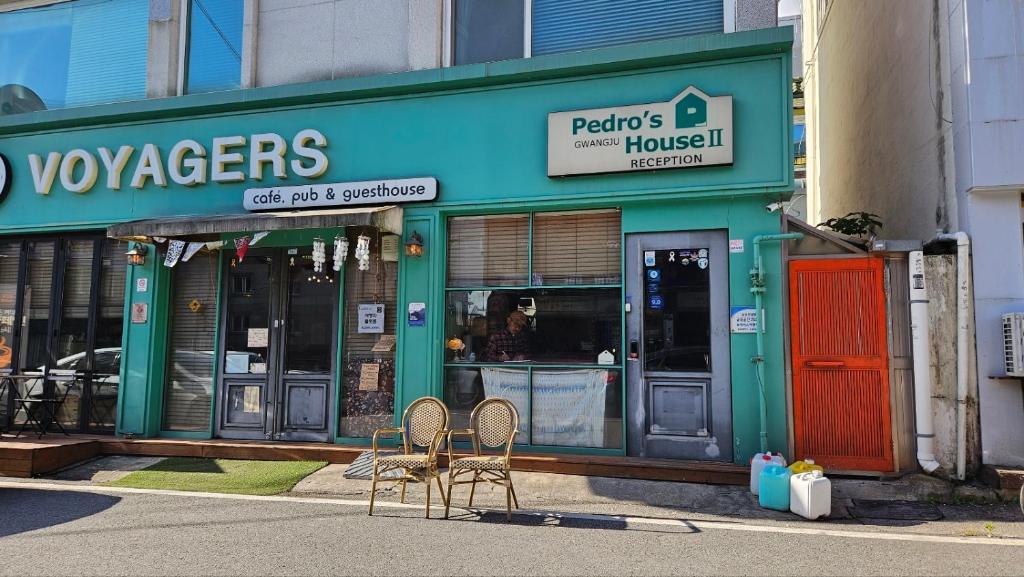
414,246
137,255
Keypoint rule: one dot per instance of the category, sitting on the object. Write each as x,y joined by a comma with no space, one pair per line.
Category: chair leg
440,489
373,490
472,488
508,479
508,502
448,501
402,498
428,497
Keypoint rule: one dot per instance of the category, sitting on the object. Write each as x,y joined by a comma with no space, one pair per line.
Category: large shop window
73,54
214,45
533,314
61,314
368,404
193,325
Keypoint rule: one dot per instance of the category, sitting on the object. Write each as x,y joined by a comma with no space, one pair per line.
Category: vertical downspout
757,287
920,338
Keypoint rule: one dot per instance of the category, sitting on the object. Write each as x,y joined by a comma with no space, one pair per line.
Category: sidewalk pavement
915,503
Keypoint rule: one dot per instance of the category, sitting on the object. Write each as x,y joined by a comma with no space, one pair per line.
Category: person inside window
509,343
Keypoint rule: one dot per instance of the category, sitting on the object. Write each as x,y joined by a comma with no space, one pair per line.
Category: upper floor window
73,54
490,30
487,30
214,60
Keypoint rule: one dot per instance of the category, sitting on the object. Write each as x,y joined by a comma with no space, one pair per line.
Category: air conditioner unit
1013,344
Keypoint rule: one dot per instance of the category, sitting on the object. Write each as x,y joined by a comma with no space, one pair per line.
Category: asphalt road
106,533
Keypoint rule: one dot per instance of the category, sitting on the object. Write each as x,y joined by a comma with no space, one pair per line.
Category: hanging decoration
174,249
340,252
258,237
214,245
191,250
319,255
242,247
363,252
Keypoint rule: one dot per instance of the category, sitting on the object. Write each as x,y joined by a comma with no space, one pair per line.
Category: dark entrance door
278,350
679,402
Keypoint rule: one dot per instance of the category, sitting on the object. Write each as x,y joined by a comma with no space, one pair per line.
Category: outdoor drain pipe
920,338
963,325
757,287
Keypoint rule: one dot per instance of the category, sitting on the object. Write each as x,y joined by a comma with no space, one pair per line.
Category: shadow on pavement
21,508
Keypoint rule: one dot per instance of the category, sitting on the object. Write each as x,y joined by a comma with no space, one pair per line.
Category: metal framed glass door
277,360
678,389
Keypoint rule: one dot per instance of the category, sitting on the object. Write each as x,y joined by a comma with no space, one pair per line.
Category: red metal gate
840,363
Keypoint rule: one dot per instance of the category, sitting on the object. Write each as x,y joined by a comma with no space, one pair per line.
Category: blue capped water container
774,488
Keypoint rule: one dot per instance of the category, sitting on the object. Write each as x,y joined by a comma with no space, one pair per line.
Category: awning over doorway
386,218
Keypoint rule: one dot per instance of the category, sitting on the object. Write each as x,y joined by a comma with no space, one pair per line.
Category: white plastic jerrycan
758,463
810,495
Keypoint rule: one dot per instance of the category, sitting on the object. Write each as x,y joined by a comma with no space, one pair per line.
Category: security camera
775,206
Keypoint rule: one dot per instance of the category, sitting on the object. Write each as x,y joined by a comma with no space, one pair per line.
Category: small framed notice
371,318
385,344
257,338
140,313
369,374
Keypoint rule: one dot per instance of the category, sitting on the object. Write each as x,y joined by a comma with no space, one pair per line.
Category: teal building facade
607,304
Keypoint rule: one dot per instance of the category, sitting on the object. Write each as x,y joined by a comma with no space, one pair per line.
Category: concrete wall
305,40
940,272
874,97
756,14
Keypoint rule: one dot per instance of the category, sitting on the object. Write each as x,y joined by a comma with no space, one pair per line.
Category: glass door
277,365
678,390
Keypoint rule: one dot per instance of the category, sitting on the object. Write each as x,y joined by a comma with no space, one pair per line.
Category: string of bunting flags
182,251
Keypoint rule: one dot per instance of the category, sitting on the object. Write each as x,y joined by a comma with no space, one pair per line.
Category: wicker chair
424,424
494,423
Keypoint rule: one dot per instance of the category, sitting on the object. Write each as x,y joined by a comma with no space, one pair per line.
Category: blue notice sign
654,274
655,302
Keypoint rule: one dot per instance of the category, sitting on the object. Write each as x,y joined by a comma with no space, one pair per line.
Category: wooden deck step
28,456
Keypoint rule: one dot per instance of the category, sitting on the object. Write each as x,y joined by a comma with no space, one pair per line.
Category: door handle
825,364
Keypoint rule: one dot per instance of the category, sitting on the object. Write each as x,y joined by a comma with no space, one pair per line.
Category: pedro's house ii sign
692,129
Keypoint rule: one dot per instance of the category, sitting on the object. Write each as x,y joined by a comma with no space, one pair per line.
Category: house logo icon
691,110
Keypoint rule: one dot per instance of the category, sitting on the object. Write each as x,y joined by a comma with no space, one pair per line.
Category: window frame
448,31
620,364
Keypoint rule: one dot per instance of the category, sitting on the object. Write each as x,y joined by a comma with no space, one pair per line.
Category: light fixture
137,255
414,246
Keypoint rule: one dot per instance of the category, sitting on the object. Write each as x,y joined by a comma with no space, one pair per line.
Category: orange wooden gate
840,363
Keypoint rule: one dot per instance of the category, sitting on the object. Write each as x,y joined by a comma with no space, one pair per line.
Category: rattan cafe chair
493,423
424,424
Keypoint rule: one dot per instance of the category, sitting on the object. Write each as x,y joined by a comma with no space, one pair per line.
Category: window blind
190,360
577,248
112,279
567,25
488,250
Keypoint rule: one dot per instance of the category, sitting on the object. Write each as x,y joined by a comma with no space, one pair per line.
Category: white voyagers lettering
187,162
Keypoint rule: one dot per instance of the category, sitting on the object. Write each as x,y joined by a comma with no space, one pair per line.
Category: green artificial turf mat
220,475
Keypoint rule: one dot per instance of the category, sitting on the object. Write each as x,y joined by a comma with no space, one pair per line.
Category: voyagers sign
692,129
341,194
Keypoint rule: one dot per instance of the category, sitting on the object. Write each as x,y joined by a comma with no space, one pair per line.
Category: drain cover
895,510
362,467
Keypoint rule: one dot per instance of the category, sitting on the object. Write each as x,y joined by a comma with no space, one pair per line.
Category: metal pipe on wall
920,340
757,287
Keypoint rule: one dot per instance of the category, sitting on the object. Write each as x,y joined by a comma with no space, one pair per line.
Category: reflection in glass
488,30
9,259
214,45
677,311
466,387
248,315
72,54
107,359
562,325
73,338
309,316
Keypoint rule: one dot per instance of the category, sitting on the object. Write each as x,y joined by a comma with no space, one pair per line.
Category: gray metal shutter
567,25
190,360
